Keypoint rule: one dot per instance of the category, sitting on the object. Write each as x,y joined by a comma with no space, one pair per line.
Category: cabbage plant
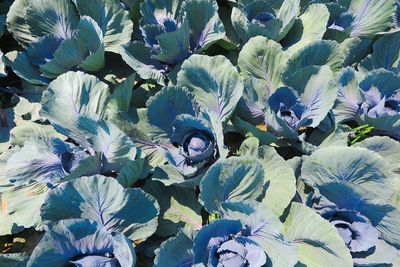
373,99
355,193
185,123
172,31
259,17
80,242
73,36
292,95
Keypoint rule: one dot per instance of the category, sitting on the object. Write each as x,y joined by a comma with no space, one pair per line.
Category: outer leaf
318,53
317,91
102,199
122,95
311,27
113,20
69,240
206,27
85,96
233,179
26,129
21,204
40,160
6,125
68,55
16,24
138,57
355,49
178,208
386,147
263,59
278,126
166,254
387,82
247,28
370,17
132,172
21,65
174,46
349,95
214,82
386,53
317,241
91,35
287,14
357,166
249,147
60,16
384,254
104,137
389,124
279,180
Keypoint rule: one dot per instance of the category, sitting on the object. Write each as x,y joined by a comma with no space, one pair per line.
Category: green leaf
287,14
386,52
112,18
215,83
16,24
384,254
316,240
310,27
265,228
67,56
166,255
24,130
317,90
233,179
370,17
249,147
90,34
21,65
387,148
56,17
355,49
132,172
138,57
174,46
14,259
102,199
6,125
122,95
21,204
349,95
263,59
165,106
205,26
279,180
116,147
86,96
367,171
179,207
317,53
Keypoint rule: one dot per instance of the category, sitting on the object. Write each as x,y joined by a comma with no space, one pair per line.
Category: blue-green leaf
102,199
233,179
